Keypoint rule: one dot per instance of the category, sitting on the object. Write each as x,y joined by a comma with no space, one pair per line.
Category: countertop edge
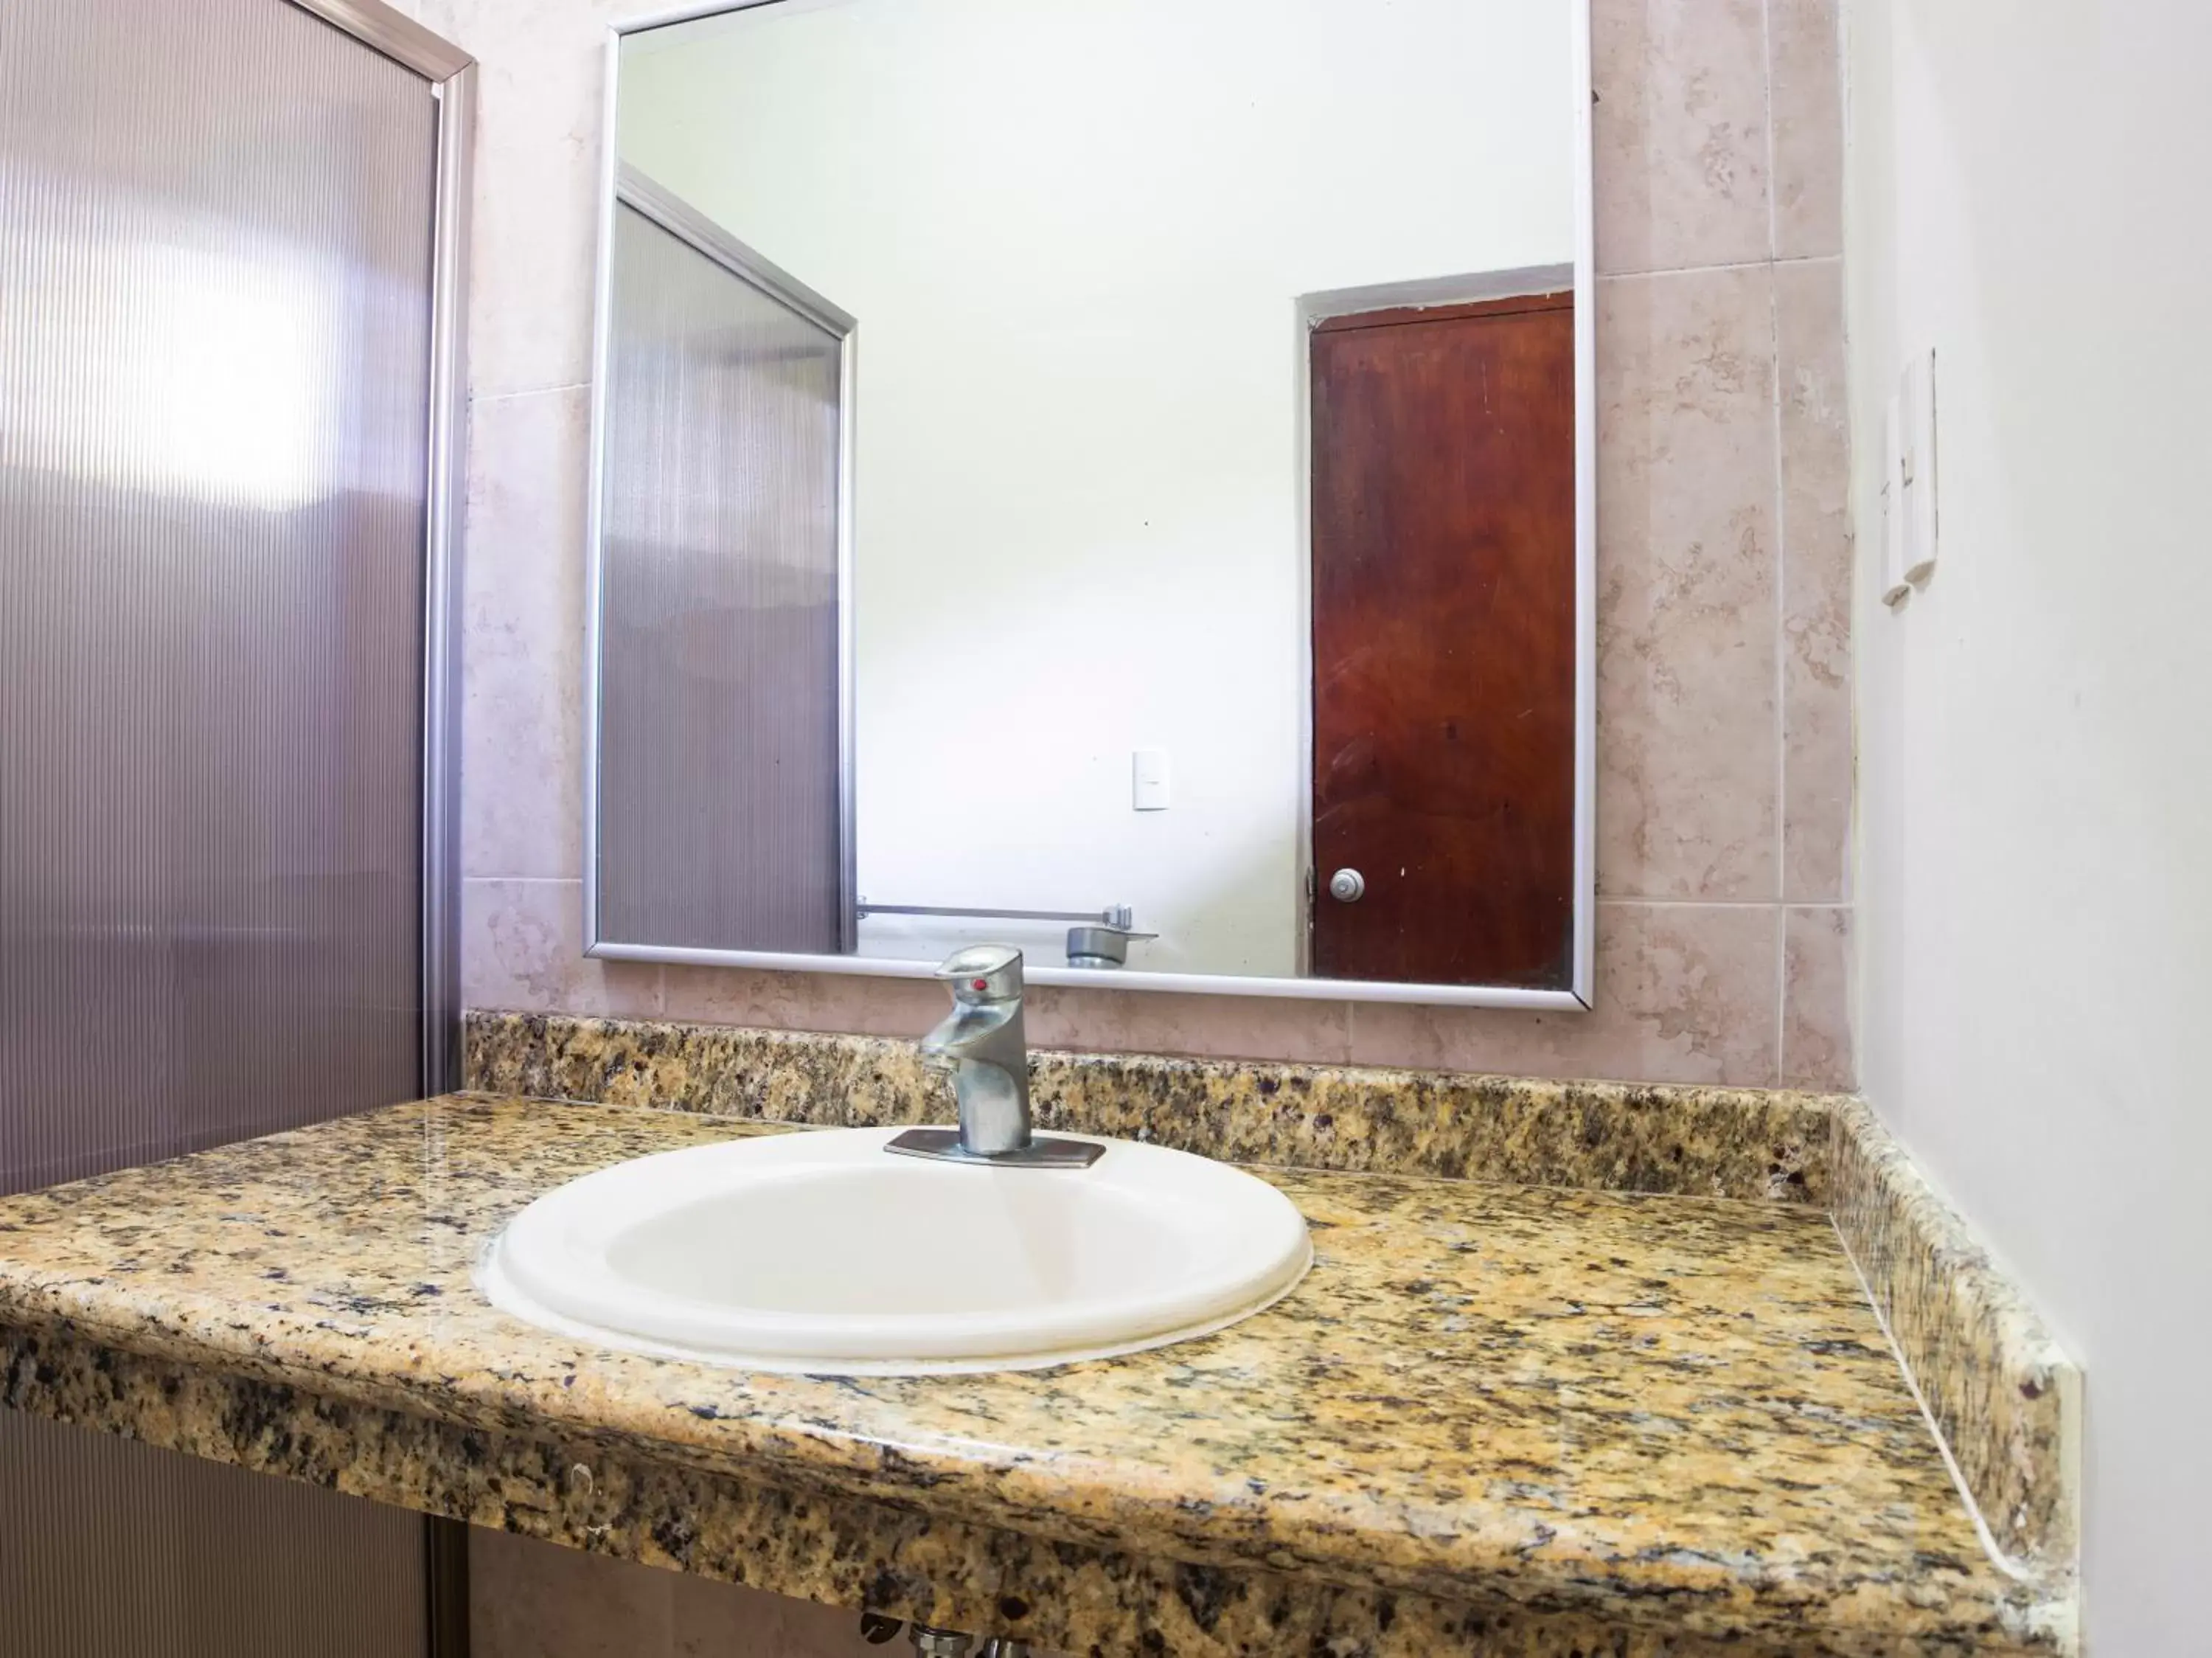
270,1419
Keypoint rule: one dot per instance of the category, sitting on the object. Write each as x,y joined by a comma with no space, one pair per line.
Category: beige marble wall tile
1806,92
1701,1010
1686,719
532,1599
536,230
1679,132
864,1005
1490,1040
522,946
522,653
1684,993
1217,1026
1816,999
1818,760
535,221
1145,1022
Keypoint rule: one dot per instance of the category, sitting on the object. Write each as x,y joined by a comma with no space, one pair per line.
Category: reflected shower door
720,762
217,241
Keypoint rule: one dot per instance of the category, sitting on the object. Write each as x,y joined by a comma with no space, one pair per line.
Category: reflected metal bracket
1119,916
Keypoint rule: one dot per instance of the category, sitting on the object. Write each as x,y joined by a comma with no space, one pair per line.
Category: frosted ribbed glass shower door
720,772
217,262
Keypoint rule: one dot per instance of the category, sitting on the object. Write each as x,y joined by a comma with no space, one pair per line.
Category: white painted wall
1074,237
2026,195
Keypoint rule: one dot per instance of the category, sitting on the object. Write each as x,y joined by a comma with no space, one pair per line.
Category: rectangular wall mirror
1114,479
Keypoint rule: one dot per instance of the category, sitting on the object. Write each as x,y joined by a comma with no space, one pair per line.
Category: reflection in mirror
1111,479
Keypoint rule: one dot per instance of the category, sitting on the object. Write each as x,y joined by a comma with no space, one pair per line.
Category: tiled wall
1724,717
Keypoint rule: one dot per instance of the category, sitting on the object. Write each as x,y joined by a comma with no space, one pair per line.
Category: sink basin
819,1252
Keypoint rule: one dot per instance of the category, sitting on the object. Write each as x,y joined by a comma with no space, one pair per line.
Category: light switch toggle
1148,780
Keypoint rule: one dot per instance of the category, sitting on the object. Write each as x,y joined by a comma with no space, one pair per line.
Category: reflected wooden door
1443,641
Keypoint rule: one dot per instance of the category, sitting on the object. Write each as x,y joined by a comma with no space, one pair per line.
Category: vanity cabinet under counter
1500,1420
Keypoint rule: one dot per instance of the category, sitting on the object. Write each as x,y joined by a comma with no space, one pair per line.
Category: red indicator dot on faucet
979,984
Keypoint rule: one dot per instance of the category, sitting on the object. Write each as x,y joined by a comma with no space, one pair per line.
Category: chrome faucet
983,1045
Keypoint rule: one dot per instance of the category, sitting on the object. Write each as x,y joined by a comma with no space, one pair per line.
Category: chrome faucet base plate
1043,1150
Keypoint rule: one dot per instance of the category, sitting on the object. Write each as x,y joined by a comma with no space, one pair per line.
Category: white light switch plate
1917,397
1908,482
1895,589
1148,780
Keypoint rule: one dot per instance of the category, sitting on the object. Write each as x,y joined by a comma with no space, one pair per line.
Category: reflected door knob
1347,886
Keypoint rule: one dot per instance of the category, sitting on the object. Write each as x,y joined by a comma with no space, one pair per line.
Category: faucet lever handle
983,974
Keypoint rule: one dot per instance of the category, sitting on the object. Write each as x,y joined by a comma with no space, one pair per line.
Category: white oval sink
819,1252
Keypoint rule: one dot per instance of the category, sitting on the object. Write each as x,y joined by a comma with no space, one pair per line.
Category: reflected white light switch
1148,780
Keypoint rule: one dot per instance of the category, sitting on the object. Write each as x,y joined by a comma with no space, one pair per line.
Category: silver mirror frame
1575,999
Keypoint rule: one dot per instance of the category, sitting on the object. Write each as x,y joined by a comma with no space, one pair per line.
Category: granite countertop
1673,1414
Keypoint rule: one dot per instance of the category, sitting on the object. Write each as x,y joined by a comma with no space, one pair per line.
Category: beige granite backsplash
2001,1391
1704,1142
